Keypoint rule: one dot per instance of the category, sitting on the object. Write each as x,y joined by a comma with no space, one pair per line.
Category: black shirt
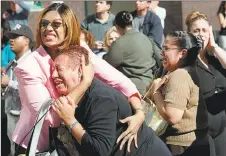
213,86
99,112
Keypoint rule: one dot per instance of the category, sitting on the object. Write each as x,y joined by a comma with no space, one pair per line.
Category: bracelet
140,109
72,125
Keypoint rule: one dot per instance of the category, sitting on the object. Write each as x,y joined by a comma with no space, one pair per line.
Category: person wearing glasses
21,38
178,99
96,119
57,29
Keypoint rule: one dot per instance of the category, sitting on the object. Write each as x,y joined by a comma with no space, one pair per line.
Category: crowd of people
96,74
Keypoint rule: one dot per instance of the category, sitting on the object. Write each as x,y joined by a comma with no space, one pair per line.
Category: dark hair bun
127,17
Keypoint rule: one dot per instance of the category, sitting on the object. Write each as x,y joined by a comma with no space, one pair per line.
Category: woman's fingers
135,140
125,139
129,142
122,136
126,132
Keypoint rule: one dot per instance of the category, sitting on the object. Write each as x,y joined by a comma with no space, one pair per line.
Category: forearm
106,73
79,91
135,103
77,131
221,55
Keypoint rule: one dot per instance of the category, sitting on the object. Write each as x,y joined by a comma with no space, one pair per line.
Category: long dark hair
221,8
123,19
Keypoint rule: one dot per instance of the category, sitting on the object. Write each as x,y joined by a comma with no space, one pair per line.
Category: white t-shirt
161,13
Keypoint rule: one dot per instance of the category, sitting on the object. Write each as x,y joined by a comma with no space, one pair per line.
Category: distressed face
201,27
52,29
65,77
171,55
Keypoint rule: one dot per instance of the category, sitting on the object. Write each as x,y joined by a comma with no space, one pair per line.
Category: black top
99,112
213,86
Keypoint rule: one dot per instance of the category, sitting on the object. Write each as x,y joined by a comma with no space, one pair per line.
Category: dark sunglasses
54,24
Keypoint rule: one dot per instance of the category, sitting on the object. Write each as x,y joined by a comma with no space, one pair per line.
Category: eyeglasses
54,24
166,48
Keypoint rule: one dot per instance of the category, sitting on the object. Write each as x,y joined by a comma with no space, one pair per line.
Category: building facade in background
175,17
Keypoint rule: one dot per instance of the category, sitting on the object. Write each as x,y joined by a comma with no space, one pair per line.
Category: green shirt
98,29
132,54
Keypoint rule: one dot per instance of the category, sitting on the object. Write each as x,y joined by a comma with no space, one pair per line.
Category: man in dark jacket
147,22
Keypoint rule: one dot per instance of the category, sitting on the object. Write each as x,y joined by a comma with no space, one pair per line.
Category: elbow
172,120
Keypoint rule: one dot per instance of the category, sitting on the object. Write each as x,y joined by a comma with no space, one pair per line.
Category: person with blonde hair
211,69
57,29
110,36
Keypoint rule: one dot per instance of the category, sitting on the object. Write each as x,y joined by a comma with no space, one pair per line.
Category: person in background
58,28
6,54
147,22
132,53
21,38
18,14
161,12
211,69
178,99
88,38
94,123
99,23
221,14
110,36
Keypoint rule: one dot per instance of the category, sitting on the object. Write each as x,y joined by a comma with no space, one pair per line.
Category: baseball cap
20,30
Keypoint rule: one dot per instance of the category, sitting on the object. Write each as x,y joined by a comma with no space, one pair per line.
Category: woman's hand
64,109
134,124
87,78
157,84
211,42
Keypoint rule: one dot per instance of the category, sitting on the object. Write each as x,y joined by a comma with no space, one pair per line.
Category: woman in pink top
58,28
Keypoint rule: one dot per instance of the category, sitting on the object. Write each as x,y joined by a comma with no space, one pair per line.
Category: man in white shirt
161,12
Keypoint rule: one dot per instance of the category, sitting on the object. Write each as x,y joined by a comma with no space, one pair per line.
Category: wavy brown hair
71,24
88,38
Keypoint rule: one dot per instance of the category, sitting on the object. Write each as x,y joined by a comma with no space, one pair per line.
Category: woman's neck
52,52
202,54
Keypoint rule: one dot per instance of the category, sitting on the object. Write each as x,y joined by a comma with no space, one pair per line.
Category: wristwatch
72,125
